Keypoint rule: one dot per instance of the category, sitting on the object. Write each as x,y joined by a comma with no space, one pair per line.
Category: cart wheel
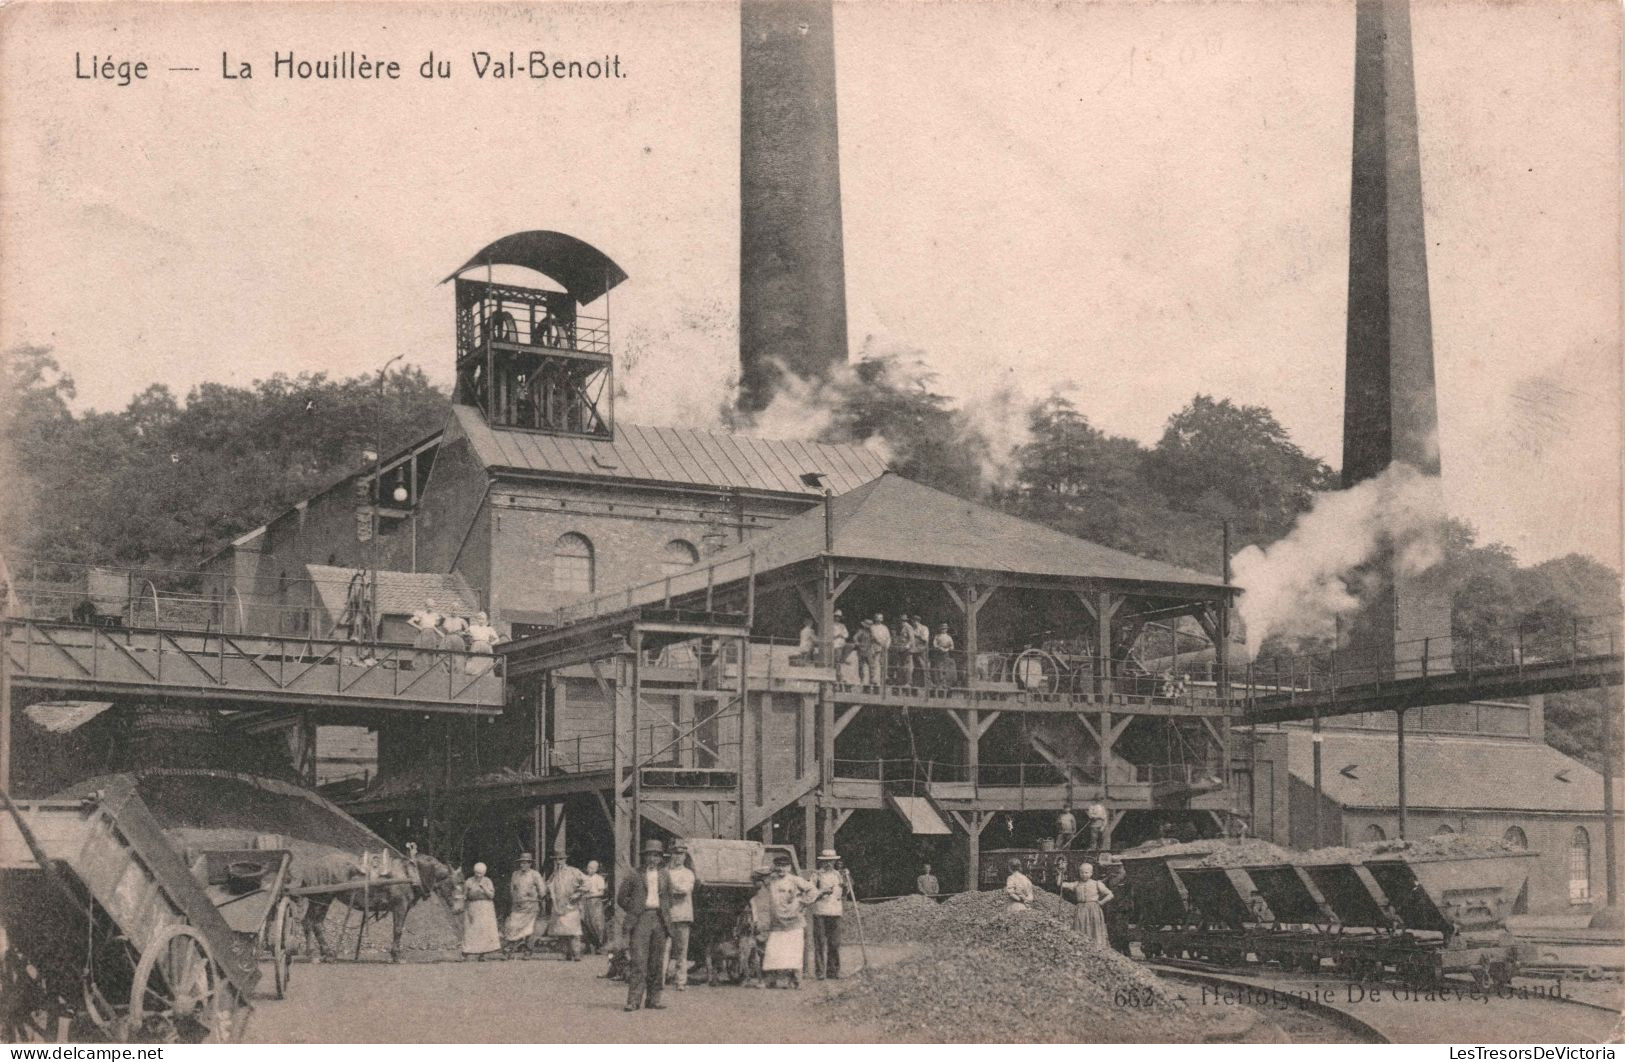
30,1012
179,994
281,951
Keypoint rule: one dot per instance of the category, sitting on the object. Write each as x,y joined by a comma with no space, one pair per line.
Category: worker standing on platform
947,671
863,651
1066,825
645,900
827,911
1097,826
838,637
879,650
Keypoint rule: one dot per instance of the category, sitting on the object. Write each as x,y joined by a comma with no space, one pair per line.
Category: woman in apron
480,936
1088,894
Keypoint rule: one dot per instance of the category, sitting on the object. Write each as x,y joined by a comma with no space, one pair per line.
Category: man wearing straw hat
827,910
645,899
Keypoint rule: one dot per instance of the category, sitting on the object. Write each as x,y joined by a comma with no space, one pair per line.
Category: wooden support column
809,835
1315,739
636,668
1105,609
620,702
1399,717
826,702
973,823
746,730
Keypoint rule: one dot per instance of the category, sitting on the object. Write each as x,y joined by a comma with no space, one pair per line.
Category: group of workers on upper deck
904,653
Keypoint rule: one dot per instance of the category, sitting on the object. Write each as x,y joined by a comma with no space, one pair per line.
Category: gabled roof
1360,771
399,593
672,455
896,520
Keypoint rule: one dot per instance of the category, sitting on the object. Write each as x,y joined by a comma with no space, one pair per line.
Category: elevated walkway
247,670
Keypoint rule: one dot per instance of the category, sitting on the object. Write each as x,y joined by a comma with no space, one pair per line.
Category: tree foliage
164,483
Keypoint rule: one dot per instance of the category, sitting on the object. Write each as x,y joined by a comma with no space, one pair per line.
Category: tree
1224,461
164,484
891,397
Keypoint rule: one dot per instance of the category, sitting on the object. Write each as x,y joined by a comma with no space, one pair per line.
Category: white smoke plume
804,408
1303,582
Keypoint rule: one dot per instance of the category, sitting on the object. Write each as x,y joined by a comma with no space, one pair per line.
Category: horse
428,877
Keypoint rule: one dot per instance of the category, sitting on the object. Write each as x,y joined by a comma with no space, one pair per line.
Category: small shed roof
399,593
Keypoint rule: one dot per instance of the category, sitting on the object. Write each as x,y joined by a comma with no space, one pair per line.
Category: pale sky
1131,201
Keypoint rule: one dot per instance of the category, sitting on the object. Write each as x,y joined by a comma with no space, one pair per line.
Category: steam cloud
1303,582
803,408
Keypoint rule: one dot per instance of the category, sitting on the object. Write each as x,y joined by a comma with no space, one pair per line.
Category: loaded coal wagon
1412,910
107,934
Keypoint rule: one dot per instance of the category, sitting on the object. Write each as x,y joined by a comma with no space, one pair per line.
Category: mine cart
107,933
1457,905
249,889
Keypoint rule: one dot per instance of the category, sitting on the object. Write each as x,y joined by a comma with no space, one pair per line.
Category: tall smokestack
792,281
1390,404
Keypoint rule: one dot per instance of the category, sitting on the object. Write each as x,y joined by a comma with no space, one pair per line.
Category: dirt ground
541,1000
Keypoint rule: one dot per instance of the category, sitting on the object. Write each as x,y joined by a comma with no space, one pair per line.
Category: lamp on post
377,498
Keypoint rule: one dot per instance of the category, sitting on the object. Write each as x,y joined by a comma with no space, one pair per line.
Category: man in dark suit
645,901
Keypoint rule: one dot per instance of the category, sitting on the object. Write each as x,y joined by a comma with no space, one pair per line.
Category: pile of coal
1448,846
1245,854
990,974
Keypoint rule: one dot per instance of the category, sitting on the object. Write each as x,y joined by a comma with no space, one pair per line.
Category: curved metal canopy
582,269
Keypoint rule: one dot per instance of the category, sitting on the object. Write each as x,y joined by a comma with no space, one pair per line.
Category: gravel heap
992,975
1158,848
1244,854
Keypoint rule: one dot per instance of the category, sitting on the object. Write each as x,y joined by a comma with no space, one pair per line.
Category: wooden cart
106,933
249,887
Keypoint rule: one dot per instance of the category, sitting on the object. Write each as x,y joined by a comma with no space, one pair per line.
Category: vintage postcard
811,521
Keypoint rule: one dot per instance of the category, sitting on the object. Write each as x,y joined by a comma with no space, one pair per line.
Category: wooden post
1610,872
637,756
973,845
744,725
1103,619
1400,757
971,607
620,709
1315,743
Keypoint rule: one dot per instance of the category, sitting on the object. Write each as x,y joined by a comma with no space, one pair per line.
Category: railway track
1453,1012
1194,973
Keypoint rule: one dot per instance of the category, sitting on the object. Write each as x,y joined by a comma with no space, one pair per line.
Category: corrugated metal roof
399,593
673,455
1445,772
896,520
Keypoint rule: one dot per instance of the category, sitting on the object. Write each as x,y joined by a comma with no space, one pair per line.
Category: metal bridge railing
1508,650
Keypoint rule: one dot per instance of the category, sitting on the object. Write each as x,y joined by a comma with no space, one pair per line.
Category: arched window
1515,836
572,564
1580,866
1374,832
1444,830
678,556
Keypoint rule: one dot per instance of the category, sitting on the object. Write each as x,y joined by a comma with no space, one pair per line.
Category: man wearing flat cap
645,902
